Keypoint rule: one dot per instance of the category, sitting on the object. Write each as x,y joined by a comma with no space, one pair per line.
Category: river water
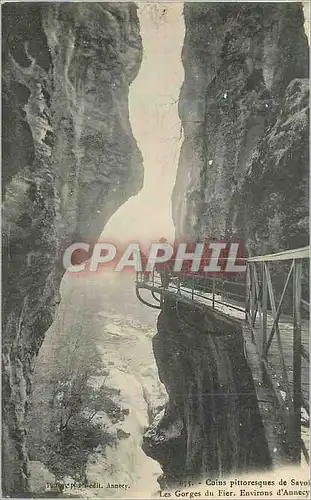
100,312
123,328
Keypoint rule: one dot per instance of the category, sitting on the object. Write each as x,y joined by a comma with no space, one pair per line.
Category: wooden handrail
297,253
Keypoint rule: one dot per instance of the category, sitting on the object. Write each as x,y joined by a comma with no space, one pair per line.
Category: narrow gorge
88,154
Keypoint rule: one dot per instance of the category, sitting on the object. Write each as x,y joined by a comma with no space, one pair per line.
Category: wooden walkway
270,338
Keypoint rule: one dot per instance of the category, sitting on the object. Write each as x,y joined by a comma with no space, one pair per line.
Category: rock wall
243,169
69,161
243,174
212,425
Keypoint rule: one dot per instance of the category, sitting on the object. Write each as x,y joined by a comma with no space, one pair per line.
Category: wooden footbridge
271,304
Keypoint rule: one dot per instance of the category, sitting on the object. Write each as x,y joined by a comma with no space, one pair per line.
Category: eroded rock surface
211,425
69,161
243,170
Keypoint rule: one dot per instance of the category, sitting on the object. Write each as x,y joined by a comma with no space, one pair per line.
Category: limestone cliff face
212,424
243,173
270,208
69,161
243,169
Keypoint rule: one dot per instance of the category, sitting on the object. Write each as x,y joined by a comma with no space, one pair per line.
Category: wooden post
192,291
296,412
258,296
253,310
213,284
278,310
247,291
279,340
264,308
251,307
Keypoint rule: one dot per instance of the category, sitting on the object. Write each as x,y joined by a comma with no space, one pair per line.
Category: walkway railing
216,292
277,314
277,331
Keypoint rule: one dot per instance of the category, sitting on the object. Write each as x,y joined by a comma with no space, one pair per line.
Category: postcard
155,249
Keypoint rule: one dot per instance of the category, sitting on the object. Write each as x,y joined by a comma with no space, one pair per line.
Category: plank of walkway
274,427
